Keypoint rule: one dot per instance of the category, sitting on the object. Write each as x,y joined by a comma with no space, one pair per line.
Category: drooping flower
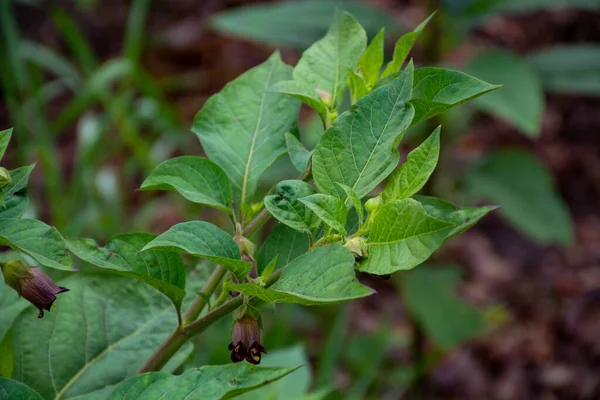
245,343
32,284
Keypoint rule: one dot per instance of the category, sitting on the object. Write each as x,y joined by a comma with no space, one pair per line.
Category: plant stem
200,302
258,221
185,333
192,327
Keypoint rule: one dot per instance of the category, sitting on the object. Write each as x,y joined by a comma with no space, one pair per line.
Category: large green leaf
293,386
7,361
284,243
5,136
524,188
99,334
11,306
40,241
480,9
437,90
417,169
205,240
162,270
325,275
430,296
195,178
358,150
330,209
204,383
242,128
403,235
10,390
324,65
14,197
296,23
286,207
521,99
570,69
403,47
463,218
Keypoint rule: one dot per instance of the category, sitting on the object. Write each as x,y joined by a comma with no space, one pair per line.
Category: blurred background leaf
297,23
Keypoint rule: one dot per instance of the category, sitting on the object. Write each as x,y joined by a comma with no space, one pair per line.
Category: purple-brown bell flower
32,284
246,341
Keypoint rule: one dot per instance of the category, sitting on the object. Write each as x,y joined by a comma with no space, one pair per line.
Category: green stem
185,333
200,302
191,327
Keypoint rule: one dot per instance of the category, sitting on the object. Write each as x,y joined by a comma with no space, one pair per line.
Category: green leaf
463,218
15,200
195,178
303,92
403,236
524,188
284,243
415,172
437,90
354,200
403,47
325,275
298,153
13,206
5,136
330,209
358,150
205,240
162,270
204,383
7,361
10,304
357,85
569,69
296,23
430,296
324,65
371,61
286,207
293,386
242,128
10,389
99,334
521,99
20,177
40,241
483,8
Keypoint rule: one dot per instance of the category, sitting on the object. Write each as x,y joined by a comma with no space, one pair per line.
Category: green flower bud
358,247
32,284
5,178
373,204
245,343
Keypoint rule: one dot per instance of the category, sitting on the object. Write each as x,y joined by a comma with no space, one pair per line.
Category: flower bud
324,95
246,341
32,284
5,177
358,247
372,205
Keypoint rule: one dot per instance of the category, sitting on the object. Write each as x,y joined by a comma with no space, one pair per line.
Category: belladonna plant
136,319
